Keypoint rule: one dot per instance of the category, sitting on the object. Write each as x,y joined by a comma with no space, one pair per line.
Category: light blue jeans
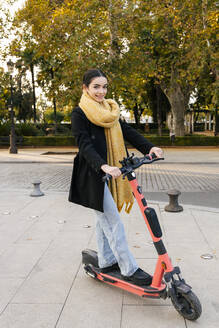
111,240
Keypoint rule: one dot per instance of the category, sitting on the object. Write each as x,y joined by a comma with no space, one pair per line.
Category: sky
5,42
17,5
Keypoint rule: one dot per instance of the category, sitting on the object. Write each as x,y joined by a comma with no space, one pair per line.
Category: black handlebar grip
106,177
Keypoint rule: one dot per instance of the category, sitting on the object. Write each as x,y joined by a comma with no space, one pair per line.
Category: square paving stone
151,316
8,287
19,259
91,304
208,224
30,316
44,230
51,278
208,295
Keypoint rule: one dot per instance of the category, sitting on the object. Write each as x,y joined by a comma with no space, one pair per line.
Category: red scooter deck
115,278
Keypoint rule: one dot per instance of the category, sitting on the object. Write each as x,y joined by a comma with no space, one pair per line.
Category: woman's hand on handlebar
157,151
114,171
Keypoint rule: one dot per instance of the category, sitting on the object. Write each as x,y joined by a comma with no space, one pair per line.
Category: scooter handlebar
135,163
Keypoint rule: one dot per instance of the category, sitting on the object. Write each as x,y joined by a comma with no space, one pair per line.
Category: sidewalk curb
151,202
186,206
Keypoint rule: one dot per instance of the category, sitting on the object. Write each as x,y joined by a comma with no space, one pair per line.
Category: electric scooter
167,281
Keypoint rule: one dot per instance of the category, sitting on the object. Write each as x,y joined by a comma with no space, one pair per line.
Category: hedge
49,141
193,140
42,141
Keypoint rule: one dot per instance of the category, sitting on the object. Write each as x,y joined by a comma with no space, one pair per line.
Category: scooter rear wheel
191,306
88,270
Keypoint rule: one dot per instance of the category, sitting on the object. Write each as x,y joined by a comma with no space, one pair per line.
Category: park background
160,58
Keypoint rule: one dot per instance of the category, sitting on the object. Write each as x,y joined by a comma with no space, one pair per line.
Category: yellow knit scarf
106,114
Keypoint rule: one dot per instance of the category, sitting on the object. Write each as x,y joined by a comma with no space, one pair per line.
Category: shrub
50,116
5,129
26,129
156,140
49,141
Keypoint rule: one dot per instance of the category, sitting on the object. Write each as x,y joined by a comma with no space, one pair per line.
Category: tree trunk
178,110
34,93
209,119
20,97
169,121
159,116
54,107
54,99
114,50
178,101
216,129
136,115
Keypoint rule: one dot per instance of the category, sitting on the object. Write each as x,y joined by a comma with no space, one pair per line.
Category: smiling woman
100,134
95,87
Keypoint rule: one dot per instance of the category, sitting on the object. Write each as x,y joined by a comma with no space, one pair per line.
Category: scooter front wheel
190,308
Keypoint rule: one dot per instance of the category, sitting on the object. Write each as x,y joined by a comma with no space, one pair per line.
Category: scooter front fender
182,288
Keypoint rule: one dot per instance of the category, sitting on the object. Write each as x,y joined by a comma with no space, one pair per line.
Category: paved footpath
195,172
42,282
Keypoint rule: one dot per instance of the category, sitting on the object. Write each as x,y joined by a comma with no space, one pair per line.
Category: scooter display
167,281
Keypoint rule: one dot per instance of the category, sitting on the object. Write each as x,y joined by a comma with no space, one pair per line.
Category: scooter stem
163,263
136,189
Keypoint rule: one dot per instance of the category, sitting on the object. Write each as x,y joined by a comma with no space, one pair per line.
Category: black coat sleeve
135,138
84,142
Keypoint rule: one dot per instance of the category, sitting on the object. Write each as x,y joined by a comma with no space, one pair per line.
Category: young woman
100,137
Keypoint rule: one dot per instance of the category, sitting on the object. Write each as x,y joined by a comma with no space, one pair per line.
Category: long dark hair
91,74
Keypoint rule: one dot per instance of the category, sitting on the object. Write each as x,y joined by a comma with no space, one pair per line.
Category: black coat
86,186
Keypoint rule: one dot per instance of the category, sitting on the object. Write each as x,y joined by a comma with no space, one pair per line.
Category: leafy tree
210,33
49,116
27,60
49,78
5,22
167,38
159,104
135,42
77,34
4,95
22,97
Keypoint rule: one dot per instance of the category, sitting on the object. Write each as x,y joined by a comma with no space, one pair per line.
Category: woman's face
97,89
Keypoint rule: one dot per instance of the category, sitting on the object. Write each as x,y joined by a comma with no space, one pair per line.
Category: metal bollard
36,190
173,205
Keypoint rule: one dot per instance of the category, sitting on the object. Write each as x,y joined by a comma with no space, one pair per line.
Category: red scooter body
167,281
